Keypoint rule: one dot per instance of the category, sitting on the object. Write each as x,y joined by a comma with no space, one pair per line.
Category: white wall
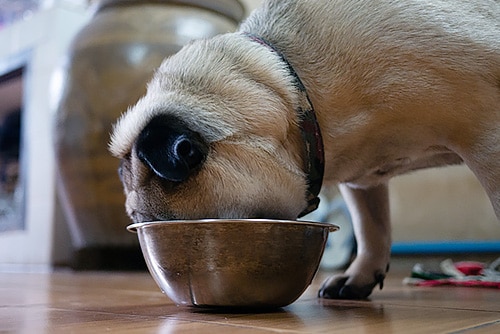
45,35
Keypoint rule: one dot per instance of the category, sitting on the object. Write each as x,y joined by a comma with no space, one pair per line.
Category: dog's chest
369,170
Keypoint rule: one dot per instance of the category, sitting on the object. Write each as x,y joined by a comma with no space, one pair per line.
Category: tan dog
396,86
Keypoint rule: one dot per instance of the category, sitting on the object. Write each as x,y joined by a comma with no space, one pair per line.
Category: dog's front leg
369,210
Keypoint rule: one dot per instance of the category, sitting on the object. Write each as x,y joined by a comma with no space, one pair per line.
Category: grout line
481,326
440,307
393,303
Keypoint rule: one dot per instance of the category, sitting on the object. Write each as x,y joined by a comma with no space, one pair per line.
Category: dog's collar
311,134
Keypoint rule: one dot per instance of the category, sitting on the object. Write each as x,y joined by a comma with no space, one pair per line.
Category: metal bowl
246,263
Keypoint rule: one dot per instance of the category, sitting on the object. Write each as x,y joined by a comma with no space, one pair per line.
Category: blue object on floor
440,247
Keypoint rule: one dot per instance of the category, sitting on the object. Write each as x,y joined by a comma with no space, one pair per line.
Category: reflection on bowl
250,263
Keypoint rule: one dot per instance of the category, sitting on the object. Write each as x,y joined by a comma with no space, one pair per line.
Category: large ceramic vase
107,68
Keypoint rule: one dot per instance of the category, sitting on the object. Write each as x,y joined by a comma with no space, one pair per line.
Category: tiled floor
97,302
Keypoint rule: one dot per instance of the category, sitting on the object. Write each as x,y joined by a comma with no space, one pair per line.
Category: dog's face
211,141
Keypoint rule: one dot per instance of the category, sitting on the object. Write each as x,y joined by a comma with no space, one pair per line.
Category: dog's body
396,86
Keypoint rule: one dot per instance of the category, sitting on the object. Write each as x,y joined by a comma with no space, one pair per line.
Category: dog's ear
170,148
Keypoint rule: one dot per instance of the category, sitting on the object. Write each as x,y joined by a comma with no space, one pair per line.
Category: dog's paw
344,287
358,281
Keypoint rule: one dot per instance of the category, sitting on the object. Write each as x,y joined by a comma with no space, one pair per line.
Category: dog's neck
310,131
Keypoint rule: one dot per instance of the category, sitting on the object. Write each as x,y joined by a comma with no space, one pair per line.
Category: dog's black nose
170,148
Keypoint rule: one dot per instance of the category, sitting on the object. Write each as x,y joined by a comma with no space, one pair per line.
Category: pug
350,92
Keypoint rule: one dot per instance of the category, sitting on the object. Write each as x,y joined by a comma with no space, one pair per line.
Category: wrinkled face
207,143
174,173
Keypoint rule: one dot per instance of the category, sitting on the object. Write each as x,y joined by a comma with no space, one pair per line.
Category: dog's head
215,136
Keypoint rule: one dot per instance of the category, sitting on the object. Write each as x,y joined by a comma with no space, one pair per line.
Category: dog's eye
121,167
120,171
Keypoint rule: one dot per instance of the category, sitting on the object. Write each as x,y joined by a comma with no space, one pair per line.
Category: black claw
332,292
379,279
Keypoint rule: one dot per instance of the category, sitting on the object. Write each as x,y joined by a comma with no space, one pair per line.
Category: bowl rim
135,226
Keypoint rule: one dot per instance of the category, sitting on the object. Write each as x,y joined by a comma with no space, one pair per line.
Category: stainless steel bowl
252,263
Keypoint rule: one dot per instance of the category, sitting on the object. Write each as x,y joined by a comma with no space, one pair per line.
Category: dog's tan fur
396,86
